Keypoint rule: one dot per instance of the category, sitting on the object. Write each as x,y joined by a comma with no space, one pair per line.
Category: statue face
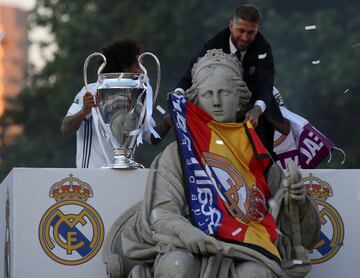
217,96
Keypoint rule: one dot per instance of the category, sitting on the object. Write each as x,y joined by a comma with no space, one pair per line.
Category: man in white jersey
121,56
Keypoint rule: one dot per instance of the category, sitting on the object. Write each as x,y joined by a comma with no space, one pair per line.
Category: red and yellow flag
225,166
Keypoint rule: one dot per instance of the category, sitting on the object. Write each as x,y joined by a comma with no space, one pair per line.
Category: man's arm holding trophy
71,124
120,57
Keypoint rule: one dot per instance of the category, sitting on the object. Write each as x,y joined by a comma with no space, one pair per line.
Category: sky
24,4
34,35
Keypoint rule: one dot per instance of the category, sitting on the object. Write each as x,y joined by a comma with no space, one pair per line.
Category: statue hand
297,191
197,242
295,182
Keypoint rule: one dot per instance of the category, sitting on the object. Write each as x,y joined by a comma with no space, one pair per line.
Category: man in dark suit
242,38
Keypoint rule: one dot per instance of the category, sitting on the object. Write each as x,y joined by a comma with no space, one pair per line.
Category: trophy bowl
123,112
119,109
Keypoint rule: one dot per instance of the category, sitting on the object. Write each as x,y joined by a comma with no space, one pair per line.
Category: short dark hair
120,55
247,12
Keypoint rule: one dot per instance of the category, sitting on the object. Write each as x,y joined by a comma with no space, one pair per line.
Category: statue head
217,85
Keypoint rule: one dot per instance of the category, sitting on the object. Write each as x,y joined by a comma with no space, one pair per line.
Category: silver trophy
125,103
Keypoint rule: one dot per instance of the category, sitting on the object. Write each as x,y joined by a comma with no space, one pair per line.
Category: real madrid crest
71,232
332,229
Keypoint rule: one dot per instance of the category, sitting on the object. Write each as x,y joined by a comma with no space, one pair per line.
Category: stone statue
158,239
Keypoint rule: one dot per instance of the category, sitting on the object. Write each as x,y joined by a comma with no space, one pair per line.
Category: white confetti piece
234,233
160,109
310,27
262,56
272,203
356,45
297,262
315,62
2,35
279,232
219,142
346,91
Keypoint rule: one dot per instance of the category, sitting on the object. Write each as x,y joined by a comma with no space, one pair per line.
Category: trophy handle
100,69
158,72
99,123
146,112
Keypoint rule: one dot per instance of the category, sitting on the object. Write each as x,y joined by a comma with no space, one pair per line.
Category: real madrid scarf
224,166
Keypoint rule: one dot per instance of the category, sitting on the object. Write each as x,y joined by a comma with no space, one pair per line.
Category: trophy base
122,162
130,166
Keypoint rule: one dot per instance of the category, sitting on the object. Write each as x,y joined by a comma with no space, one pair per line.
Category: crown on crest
317,188
70,188
217,57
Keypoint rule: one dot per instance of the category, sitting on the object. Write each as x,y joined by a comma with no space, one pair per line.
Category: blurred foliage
174,31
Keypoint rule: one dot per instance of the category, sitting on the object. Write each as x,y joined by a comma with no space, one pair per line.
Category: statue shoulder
169,159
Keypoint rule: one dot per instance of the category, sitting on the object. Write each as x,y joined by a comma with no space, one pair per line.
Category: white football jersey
89,153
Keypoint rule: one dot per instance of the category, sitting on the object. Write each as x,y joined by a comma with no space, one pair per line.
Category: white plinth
36,222
338,251
27,191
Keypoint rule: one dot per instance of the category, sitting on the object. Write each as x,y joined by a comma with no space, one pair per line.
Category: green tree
174,31
316,91
80,28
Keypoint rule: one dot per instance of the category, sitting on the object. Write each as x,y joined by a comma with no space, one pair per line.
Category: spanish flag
224,166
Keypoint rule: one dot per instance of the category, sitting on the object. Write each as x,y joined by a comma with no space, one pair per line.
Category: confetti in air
346,91
234,233
262,56
310,27
315,62
160,109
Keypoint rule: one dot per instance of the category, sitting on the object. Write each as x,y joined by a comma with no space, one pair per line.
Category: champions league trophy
123,114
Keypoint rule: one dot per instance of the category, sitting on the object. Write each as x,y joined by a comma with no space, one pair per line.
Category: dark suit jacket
258,64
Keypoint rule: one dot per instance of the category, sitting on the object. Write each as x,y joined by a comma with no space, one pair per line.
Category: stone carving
157,238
